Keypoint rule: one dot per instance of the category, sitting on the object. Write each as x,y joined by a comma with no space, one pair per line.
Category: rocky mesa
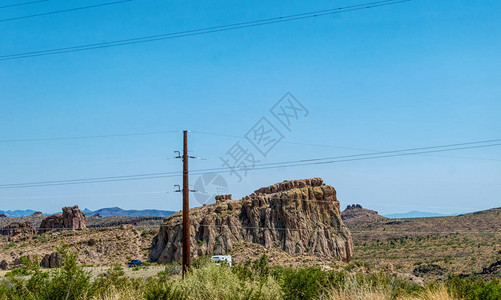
355,214
299,216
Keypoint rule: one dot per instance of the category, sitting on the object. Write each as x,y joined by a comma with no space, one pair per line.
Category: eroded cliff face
299,216
72,218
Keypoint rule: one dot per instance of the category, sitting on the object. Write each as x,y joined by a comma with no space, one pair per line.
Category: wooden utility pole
186,207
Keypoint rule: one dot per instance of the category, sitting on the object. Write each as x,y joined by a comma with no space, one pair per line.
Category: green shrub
253,269
473,289
113,281
160,289
171,269
18,272
68,282
303,283
201,262
220,282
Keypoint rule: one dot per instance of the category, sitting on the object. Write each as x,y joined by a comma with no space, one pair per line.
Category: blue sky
415,74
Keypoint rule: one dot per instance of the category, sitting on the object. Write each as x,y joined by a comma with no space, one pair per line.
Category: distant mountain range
18,213
118,212
417,214
103,212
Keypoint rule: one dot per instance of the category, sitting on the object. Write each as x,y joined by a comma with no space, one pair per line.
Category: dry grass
355,291
120,294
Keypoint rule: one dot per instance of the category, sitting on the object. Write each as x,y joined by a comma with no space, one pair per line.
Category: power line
338,147
295,163
88,137
62,10
282,142
206,30
24,3
82,196
404,150
315,162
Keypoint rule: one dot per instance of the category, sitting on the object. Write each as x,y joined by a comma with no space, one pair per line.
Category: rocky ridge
18,230
356,214
299,216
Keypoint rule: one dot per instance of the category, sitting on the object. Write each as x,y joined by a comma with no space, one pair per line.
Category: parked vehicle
222,258
135,263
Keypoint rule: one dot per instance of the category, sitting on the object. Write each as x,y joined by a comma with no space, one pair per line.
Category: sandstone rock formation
18,230
356,214
52,260
299,216
72,218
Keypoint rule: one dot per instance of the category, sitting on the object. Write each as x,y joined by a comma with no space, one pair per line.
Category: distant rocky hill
35,219
299,216
118,212
355,213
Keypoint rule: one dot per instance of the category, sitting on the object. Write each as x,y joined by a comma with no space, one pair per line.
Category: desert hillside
430,248
433,246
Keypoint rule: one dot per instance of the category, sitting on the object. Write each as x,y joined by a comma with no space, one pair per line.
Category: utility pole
186,204
186,207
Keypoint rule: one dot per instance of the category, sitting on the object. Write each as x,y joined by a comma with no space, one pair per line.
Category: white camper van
219,258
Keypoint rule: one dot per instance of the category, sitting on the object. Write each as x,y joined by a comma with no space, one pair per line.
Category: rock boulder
52,260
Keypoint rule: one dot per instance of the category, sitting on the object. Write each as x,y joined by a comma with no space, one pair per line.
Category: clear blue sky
421,73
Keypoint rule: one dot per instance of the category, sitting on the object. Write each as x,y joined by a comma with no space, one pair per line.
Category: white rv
219,258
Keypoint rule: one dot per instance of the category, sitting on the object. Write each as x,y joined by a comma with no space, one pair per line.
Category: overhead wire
88,136
22,4
206,30
81,196
350,148
63,10
283,164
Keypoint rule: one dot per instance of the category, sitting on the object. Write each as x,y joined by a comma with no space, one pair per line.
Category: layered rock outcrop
299,216
72,218
18,230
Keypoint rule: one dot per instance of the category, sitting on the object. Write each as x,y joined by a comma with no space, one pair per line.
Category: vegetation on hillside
462,244
250,280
